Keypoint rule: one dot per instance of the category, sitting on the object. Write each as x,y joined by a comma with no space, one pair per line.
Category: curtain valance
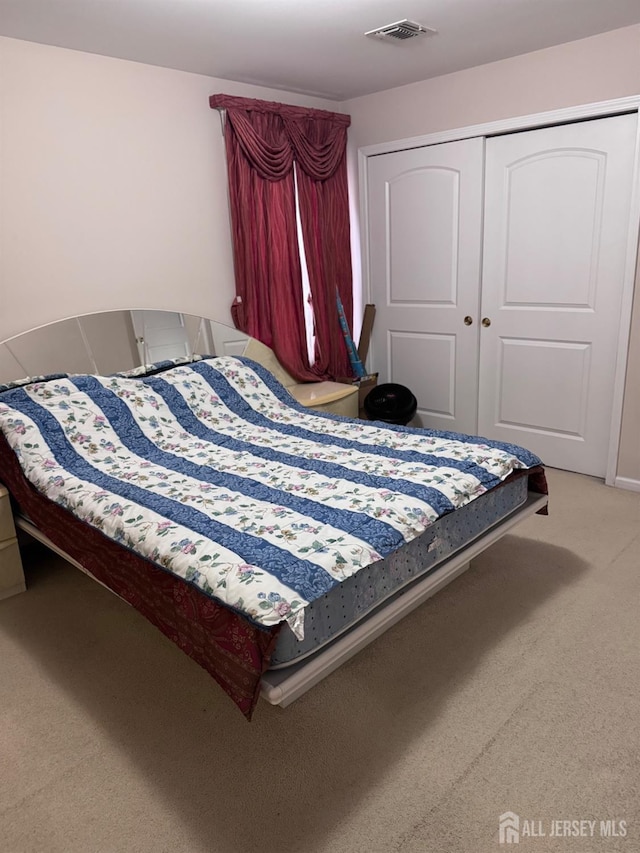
273,135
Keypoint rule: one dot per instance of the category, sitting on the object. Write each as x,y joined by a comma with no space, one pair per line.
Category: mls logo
509,828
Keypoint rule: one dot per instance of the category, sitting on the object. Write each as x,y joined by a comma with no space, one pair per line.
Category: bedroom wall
595,69
113,188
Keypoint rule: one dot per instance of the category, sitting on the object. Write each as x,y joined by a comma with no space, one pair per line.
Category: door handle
468,320
486,321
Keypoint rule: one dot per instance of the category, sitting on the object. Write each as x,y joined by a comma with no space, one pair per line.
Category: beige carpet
517,688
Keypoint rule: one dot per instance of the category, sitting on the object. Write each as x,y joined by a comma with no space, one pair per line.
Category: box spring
349,602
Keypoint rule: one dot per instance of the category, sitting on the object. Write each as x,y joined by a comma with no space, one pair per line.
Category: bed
268,541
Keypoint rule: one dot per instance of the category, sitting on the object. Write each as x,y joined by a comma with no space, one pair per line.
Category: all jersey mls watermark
512,829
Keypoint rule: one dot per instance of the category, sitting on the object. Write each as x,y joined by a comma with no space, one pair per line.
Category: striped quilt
213,472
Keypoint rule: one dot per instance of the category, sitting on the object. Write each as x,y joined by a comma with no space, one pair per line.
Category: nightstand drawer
7,528
11,574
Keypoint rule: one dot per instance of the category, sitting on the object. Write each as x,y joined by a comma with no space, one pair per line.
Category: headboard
112,341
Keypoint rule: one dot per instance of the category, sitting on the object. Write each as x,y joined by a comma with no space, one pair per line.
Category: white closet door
425,209
556,228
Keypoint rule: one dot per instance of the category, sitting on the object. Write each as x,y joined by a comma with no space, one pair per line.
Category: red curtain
263,140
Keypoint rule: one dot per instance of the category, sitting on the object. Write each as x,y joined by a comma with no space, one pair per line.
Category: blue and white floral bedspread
213,472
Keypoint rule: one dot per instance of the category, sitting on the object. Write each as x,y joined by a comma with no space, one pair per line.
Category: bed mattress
333,614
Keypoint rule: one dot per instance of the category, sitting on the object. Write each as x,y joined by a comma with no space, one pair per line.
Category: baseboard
627,483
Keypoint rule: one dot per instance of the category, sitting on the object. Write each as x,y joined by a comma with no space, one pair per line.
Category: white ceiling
315,47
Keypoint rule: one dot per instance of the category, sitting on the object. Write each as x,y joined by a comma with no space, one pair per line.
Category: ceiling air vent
400,31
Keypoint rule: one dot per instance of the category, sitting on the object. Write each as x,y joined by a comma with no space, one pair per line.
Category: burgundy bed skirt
231,649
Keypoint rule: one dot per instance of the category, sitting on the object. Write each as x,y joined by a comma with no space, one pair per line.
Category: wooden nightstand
333,397
11,574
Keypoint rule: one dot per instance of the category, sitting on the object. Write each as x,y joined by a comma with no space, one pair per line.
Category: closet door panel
557,207
427,364
534,403
425,210
552,238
